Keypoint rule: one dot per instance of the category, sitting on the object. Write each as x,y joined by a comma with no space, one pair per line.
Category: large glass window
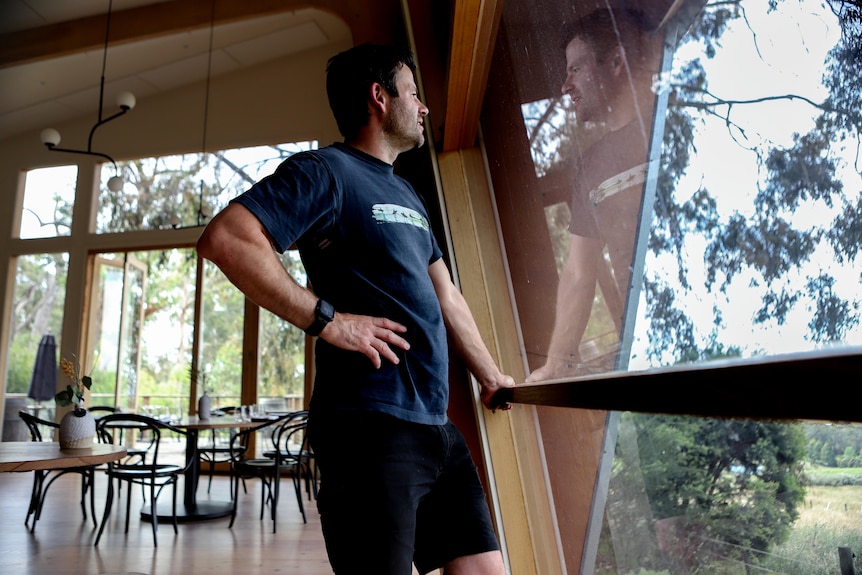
725,223
694,495
676,184
183,190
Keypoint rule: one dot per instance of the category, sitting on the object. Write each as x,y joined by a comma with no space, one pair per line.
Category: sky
793,44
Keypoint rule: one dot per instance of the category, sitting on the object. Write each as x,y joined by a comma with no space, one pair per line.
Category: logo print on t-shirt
395,214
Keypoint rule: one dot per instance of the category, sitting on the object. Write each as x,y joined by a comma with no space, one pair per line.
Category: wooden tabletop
32,455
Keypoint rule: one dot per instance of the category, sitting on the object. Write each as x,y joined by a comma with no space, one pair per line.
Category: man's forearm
467,340
465,337
575,294
574,304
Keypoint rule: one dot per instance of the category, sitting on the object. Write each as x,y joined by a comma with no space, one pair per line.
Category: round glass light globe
50,137
126,100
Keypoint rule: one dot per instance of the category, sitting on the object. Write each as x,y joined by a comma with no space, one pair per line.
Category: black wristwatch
323,314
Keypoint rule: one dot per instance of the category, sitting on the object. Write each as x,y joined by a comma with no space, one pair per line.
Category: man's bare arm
575,294
464,335
238,244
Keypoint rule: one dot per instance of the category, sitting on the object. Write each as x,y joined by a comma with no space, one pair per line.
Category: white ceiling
42,94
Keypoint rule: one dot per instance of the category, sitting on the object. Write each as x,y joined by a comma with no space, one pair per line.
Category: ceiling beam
367,18
474,29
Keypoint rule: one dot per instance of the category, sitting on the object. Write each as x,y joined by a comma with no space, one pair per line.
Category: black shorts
395,493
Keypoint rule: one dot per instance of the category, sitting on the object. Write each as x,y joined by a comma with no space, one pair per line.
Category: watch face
325,311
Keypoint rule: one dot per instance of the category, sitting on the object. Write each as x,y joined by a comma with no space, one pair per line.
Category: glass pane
104,327
130,338
690,495
49,196
220,362
141,329
754,238
37,311
697,202
703,205
167,328
183,190
281,363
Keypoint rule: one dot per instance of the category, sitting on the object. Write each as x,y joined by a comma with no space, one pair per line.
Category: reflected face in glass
585,82
404,124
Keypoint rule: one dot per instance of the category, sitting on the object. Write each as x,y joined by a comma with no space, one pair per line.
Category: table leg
193,469
190,509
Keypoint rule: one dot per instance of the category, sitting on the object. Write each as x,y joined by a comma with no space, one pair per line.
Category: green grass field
840,507
830,517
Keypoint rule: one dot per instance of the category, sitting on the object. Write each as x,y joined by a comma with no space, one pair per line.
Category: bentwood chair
297,449
99,411
42,479
217,448
153,474
285,431
133,454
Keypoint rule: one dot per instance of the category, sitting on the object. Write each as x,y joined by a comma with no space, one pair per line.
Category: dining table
191,508
38,455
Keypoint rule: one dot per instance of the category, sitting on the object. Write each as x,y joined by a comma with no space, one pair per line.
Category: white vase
77,429
204,406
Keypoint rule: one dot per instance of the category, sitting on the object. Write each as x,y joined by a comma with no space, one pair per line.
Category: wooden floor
63,543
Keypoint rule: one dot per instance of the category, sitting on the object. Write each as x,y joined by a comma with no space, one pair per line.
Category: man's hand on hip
371,336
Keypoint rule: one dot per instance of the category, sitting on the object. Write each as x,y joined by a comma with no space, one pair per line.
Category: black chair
138,452
133,454
152,474
288,440
217,448
41,481
302,454
101,410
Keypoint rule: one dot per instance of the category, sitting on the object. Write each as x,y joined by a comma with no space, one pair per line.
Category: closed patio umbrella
43,384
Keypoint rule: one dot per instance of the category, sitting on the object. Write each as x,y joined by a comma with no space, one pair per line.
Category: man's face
404,124
586,83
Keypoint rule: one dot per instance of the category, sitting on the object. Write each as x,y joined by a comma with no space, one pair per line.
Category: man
397,483
610,64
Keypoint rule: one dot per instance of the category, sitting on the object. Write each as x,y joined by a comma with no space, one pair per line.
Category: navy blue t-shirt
366,243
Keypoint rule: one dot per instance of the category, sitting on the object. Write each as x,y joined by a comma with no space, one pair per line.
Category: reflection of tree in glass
782,257
772,247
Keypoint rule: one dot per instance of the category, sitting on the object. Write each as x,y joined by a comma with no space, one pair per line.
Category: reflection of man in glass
610,64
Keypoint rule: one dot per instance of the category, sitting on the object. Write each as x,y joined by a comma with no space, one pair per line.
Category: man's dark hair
350,74
605,29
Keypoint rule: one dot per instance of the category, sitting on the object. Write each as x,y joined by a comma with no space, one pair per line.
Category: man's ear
618,60
378,97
